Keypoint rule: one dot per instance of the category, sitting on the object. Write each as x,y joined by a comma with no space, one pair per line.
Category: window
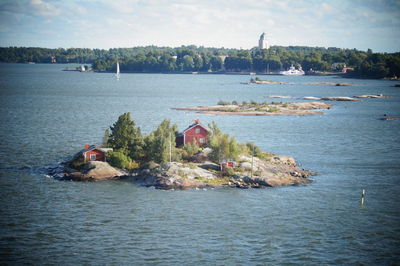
202,140
197,131
93,157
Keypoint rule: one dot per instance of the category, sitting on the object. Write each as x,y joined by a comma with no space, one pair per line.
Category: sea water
47,114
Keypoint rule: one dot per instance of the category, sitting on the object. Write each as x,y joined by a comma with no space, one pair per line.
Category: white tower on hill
263,43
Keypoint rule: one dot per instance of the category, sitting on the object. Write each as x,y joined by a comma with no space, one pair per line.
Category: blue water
48,114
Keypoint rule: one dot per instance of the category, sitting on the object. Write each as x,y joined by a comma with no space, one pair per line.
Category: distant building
263,43
338,65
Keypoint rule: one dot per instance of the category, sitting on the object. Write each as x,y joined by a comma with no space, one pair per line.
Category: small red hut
94,153
195,132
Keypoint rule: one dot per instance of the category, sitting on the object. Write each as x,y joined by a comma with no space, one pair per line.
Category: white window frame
202,140
92,157
197,130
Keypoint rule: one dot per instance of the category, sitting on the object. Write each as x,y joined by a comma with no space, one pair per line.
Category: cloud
42,8
237,23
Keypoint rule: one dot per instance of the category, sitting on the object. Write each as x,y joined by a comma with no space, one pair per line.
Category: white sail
117,75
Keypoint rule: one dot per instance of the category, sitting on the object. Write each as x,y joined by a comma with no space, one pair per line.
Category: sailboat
117,75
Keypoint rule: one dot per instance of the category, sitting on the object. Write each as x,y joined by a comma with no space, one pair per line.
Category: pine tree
126,137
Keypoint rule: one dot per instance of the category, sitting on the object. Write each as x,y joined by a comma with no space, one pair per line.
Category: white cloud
235,23
42,8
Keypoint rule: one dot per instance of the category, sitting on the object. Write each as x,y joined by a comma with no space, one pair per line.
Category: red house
195,132
94,153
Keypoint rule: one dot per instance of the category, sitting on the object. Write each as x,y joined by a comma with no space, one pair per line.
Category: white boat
293,72
117,75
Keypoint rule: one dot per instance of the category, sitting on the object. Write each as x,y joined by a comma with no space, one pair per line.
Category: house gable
196,132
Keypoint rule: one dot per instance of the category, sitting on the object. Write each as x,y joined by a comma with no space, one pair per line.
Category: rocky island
255,108
199,157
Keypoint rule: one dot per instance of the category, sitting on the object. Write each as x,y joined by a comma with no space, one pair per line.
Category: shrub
188,151
255,150
229,171
77,163
221,102
234,102
121,160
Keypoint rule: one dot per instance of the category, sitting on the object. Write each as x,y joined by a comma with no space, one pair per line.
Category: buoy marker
362,197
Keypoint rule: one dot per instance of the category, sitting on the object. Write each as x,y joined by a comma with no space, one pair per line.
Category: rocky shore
275,109
253,172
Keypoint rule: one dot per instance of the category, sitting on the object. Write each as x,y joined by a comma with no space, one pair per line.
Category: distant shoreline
325,74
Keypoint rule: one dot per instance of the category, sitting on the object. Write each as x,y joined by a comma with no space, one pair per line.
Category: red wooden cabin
94,153
196,132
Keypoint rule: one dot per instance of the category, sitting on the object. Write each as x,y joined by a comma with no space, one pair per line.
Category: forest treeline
153,59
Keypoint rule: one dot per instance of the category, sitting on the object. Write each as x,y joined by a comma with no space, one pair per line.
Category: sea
47,115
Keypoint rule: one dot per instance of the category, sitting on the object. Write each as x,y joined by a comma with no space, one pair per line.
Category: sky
360,24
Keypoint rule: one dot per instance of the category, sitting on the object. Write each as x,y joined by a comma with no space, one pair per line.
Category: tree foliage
223,146
121,160
192,58
160,144
126,137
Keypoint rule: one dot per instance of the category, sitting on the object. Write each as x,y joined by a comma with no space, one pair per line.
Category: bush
121,160
229,171
255,150
77,163
221,102
234,102
188,151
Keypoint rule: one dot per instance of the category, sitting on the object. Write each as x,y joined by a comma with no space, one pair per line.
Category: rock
279,96
284,159
95,171
386,117
311,98
176,176
371,96
349,99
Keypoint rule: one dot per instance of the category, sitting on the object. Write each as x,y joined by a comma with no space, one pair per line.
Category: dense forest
200,59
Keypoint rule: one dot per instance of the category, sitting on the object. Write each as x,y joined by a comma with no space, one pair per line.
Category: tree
223,146
161,142
106,137
126,137
216,63
188,63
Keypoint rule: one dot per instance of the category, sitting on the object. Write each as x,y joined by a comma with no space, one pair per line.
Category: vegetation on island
254,108
154,59
132,150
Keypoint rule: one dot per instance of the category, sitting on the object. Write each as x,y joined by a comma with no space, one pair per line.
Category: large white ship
292,72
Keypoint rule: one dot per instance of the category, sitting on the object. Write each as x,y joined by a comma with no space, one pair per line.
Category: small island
254,108
260,81
198,157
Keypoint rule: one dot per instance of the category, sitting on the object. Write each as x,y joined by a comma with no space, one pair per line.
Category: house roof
93,147
196,123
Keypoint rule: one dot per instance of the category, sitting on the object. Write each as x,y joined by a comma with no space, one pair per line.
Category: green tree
126,137
216,63
223,146
160,142
106,137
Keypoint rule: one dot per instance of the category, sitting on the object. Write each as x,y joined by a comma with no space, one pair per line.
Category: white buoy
362,197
